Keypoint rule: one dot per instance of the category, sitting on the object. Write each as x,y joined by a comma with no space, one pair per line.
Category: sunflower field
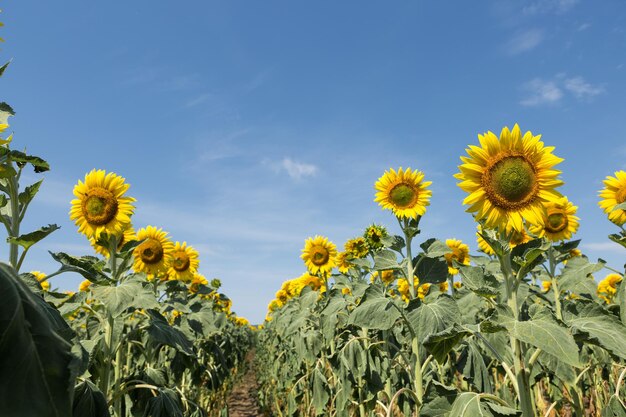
395,324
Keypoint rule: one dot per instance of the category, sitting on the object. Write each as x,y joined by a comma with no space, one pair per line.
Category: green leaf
26,196
6,111
528,255
472,365
3,68
621,301
614,408
165,404
393,242
431,270
434,317
89,401
320,391
475,279
469,404
619,239
375,311
385,260
576,276
21,159
439,344
121,297
29,239
597,326
434,248
89,267
438,400
36,378
543,332
162,333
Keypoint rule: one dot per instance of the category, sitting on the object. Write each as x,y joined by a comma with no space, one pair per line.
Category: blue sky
246,127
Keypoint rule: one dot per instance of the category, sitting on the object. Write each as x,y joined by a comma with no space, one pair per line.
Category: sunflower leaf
29,239
89,267
431,270
385,260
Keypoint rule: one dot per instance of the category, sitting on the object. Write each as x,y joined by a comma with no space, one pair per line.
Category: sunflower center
181,261
151,251
556,222
403,195
99,206
511,182
319,255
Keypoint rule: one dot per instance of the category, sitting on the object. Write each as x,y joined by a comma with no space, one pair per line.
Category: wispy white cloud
524,41
549,6
541,92
581,89
296,170
197,100
584,26
603,247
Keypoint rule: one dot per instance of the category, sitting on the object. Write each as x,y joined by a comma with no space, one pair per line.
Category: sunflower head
346,291
196,281
614,194
343,263
460,254
374,235
357,247
546,285
153,254
607,288
101,204
559,220
403,192
319,255
184,262
387,277
84,286
509,178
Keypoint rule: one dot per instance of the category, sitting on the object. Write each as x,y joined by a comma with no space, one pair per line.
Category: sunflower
509,179
127,235
357,247
100,204
613,194
184,263
346,291
319,255
154,254
84,286
342,262
196,281
374,235
387,277
559,221
546,285
607,288
403,192
460,253
40,276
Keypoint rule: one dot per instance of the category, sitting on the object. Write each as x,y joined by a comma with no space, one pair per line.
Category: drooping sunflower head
559,220
127,235
374,235
357,247
613,194
546,285
607,288
387,277
153,255
508,179
319,255
40,276
84,286
343,264
403,192
282,297
460,254
197,280
101,204
184,263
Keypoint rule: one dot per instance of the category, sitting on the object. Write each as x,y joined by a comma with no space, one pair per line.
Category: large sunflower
403,192
154,254
184,262
560,221
509,179
319,255
614,193
100,204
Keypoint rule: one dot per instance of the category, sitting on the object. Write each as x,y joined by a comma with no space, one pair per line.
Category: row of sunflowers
145,334
385,328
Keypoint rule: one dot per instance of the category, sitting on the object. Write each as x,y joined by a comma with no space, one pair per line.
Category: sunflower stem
555,283
15,220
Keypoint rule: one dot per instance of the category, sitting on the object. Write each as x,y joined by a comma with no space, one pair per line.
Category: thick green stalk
555,285
15,219
521,373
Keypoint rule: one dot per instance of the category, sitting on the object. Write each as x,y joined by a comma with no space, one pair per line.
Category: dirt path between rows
242,401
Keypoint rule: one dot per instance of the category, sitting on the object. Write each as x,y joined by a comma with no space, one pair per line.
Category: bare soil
242,400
